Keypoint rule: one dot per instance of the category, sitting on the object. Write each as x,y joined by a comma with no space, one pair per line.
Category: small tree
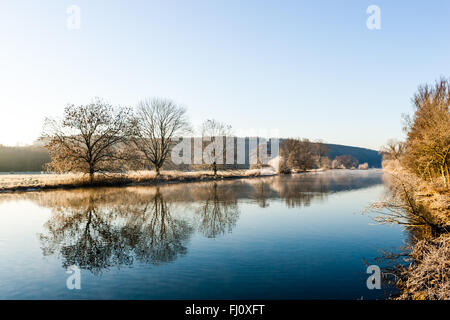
88,139
156,123
336,164
363,166
427,147
393,150
320,152
346,161
306,159
325,163
298,154
215,131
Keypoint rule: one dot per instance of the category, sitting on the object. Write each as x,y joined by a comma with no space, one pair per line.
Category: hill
23,159
32,158
372,157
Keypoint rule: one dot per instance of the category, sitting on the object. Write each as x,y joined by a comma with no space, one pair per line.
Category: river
299,236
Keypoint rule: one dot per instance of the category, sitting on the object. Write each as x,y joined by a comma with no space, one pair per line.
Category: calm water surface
288,237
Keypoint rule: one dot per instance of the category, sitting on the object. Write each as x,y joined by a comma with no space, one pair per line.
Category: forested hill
372,157
32,158
23,159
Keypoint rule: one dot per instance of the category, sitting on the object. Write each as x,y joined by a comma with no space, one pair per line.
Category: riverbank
38,182
427,274
430,198
25,182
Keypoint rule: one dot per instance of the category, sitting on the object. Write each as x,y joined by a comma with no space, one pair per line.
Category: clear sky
301,68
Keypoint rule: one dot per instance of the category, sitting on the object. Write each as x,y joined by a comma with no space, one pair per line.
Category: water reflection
218,211
97,229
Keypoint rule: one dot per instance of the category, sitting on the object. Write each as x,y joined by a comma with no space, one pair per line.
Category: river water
285,237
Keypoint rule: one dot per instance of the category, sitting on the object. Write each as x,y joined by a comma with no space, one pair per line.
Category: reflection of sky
312,251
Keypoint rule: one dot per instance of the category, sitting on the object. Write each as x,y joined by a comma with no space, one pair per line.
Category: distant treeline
23,159
32,158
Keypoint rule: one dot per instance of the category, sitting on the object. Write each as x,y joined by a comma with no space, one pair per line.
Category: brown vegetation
157,122
299,154
427,149
89,139
345,161
419,196
304,155
428,279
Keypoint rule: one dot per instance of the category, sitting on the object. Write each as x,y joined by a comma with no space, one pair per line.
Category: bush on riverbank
419,198
428,277
423,207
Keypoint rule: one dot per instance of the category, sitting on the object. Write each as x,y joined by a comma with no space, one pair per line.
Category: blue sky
301,68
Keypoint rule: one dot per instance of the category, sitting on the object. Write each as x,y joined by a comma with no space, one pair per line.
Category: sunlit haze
301,68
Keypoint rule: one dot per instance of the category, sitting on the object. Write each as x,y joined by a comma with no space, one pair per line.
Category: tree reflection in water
219,211
95,232
97,229
155,234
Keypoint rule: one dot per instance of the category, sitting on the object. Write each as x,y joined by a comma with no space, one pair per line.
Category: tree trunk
215,169
444,176
448,174
91,176
444,170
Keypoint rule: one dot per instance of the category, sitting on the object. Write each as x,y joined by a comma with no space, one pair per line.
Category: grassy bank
35,182
424,207
422,198
427,276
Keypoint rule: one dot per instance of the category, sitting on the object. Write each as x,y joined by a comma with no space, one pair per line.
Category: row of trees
300,154
419,194
303,155
426,151
99,138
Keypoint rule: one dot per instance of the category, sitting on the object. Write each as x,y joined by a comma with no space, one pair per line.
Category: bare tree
320,152
345,161
215,131
156,123
393,150
427,150
88,139
298,154
219,212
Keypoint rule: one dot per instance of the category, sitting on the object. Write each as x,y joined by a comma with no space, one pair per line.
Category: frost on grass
428,276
